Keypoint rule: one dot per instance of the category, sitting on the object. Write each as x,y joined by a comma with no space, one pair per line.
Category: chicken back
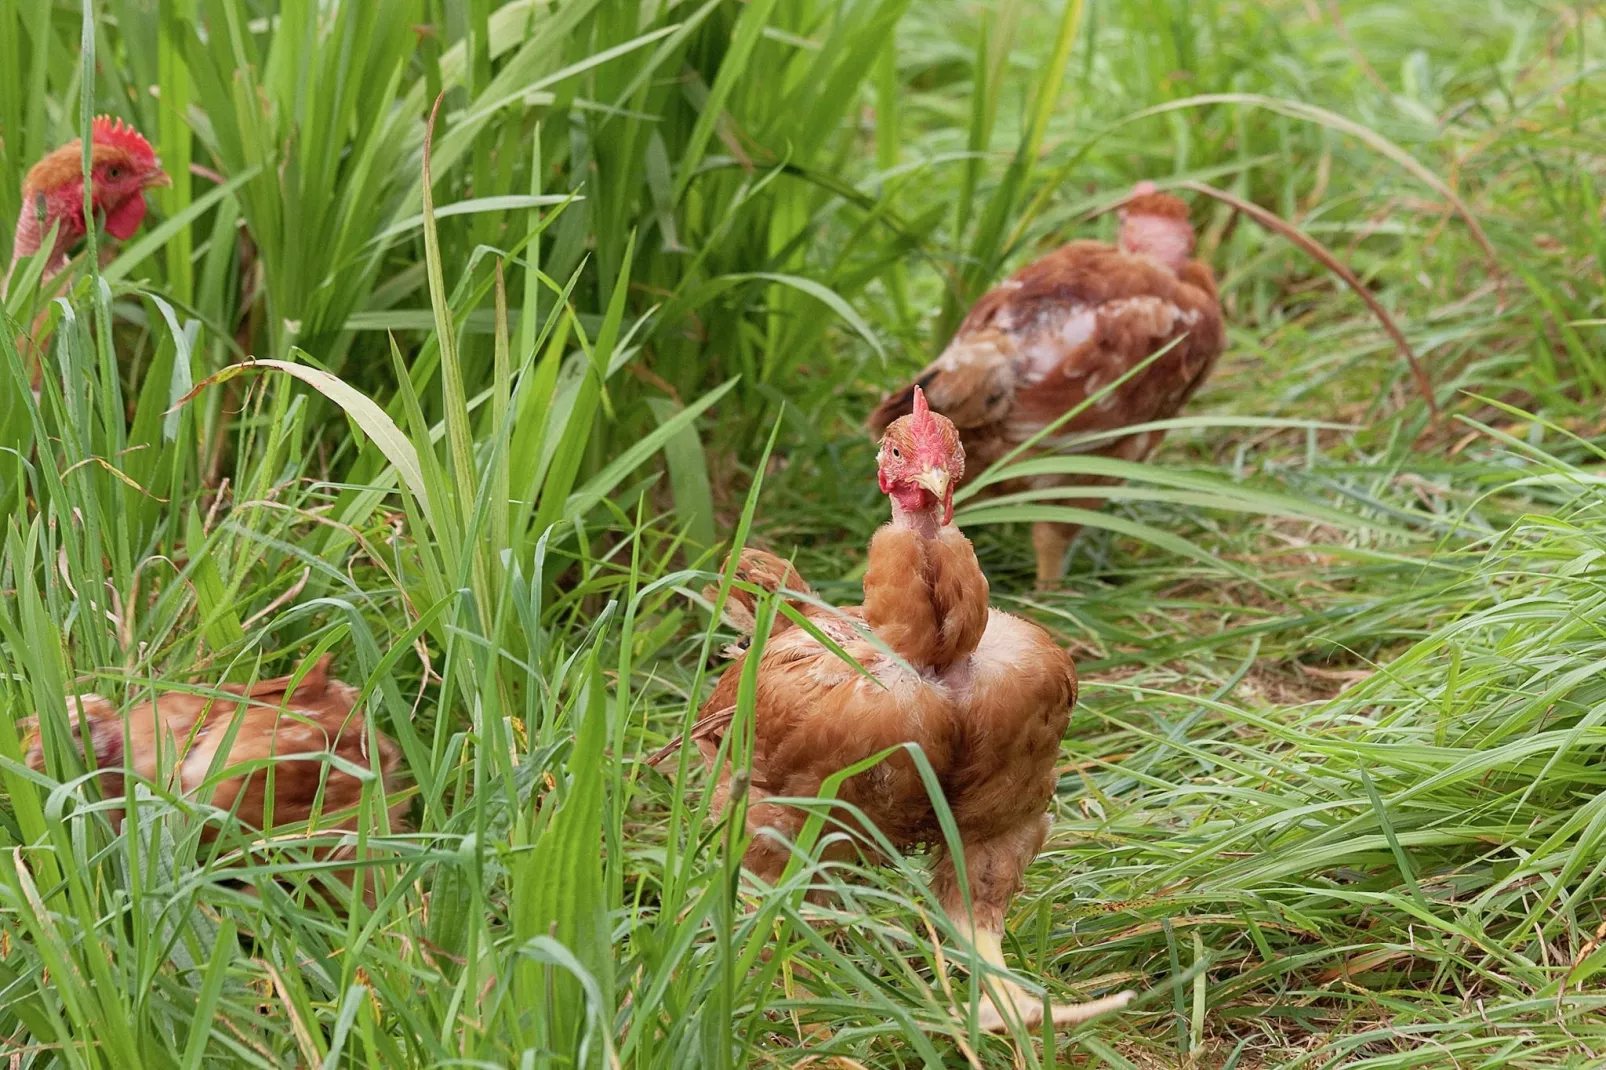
298,729
1065,327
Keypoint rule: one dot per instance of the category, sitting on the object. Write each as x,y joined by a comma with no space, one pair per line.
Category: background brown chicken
293,732
1065,326
987,696
122,167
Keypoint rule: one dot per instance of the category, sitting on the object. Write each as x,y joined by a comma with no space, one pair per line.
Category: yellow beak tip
934,480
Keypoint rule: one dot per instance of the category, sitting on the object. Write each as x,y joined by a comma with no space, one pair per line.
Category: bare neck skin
923,520
1170,241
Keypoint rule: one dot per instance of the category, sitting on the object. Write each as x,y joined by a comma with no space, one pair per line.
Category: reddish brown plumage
1156,204
764,570
122,167
987,697
174,740
1062,328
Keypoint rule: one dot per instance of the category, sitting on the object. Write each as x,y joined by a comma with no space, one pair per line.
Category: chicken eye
114,172
897,455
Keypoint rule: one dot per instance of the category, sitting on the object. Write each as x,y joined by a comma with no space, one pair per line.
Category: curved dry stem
1317,251
1311,113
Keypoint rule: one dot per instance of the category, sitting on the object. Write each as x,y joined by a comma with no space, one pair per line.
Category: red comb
106,130
922,421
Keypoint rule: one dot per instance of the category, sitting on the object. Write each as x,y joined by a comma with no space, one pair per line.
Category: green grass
1332,796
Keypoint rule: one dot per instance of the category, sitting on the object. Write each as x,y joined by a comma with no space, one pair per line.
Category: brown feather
1164,205
764,570
176,737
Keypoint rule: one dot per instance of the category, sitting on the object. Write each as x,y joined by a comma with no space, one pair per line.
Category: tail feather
767,572
710,727
312,687
972,383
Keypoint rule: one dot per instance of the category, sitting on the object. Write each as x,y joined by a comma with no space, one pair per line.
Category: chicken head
122,167
1155,225
920,462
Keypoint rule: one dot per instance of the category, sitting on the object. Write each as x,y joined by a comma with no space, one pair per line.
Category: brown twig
200,171
1319,252
1355,51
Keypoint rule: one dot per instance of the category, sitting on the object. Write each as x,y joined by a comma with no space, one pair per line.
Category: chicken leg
993,869
1021,1004
1051,540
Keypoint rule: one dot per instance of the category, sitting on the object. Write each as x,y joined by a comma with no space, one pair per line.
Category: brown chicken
122,168
293,733
1060,329
987,696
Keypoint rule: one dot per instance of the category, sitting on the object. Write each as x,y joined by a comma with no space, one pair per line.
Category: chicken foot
1022,1005
994,867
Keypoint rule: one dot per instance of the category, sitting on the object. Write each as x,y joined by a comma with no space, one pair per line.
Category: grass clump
1331,796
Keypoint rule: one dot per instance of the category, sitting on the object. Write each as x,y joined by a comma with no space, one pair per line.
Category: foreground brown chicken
297,729
1060,329
987,696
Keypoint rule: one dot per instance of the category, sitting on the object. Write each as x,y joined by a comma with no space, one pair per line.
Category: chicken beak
157,178
935,480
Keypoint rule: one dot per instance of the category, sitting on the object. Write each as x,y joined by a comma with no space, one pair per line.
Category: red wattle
912,498
124,220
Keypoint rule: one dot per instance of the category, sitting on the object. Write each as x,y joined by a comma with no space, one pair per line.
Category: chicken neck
1168,241
922,519
924,594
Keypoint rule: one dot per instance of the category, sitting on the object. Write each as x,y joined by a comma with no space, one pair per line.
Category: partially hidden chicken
986,695
122,167
173,742
1062,328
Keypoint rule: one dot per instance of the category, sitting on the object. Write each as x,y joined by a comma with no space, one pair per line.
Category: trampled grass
1333,793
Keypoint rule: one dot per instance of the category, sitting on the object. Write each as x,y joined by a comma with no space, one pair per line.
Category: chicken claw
1025,1007
1029,1010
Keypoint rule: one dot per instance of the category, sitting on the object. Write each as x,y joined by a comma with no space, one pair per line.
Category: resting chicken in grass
1061,329
987,697
293,732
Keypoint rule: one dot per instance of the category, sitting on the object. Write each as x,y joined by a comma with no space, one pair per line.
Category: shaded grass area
1331,796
